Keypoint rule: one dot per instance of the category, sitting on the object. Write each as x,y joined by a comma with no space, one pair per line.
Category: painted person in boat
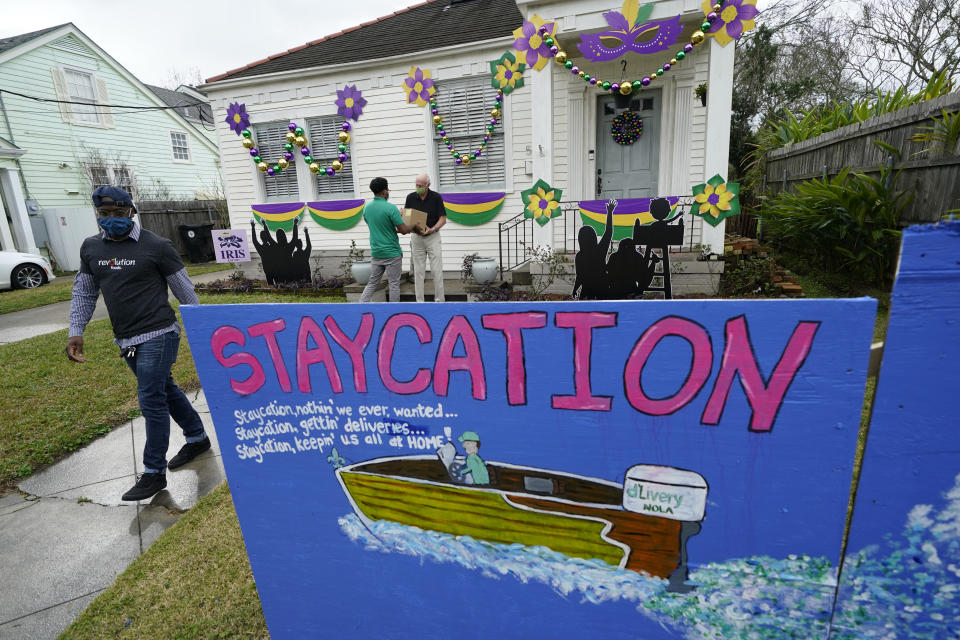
475,466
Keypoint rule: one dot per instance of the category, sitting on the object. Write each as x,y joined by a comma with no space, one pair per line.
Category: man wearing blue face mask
133,268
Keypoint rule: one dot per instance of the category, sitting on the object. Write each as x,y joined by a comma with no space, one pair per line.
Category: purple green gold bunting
336,215
716,200
594,213
472,209
278,215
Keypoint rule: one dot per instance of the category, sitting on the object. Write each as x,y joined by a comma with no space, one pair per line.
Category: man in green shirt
384,223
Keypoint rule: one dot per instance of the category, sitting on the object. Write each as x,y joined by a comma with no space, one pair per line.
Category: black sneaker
147,485
188,452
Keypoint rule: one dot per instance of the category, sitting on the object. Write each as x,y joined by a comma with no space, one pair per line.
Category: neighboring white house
555,128
68,127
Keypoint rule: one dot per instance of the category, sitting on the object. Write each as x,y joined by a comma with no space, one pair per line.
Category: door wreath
626,128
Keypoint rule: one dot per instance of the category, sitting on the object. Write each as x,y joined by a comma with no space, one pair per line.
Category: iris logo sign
231,245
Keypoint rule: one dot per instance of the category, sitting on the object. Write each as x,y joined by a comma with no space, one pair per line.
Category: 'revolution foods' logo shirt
117,263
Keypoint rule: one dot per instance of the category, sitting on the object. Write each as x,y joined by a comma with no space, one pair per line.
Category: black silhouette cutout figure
282,260
591,260
629,271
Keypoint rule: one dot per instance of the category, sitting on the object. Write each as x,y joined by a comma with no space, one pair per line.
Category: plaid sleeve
83,302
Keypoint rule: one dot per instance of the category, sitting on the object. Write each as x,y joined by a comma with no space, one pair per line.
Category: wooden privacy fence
933,177
165,217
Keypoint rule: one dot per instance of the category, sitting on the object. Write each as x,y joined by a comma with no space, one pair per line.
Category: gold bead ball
437,119
499,92
337,165
283,163
465,159
495,113
300,141
343,137
314,167
248,143
291,136
697,37
262,166
581,74
626,89
716,8
561,57
673,61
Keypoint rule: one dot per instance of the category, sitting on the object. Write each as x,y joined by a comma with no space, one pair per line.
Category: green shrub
850,222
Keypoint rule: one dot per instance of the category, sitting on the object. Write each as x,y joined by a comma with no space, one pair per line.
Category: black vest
132,274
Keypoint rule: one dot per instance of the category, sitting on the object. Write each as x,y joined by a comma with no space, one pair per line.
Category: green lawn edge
193,582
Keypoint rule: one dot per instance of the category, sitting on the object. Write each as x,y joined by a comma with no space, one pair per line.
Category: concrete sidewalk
67,536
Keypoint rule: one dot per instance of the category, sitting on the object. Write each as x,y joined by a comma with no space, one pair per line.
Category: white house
555,128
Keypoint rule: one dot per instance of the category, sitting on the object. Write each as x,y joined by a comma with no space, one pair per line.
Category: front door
628,170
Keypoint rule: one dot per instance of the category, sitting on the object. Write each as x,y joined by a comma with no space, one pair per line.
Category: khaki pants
379,266
420,248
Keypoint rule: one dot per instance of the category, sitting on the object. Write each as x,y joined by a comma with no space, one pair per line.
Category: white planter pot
484,270
361,271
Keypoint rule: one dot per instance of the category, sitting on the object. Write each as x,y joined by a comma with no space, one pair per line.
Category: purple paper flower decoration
237,117
349,102
626,28
735,19
530,45
418,86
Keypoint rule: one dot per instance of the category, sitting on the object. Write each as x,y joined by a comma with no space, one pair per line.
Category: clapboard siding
933,178
140,139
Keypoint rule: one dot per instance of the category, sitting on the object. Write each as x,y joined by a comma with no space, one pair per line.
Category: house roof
13,41
429,25
187,105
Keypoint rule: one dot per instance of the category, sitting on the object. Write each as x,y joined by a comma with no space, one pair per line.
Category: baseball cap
469,435
120,197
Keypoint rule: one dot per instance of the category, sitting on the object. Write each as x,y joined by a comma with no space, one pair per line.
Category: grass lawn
60,289
52,406
209,267
21,299
194,582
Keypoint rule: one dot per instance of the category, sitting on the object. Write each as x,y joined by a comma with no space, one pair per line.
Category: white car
23,270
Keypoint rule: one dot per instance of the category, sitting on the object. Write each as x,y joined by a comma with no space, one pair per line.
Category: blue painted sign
668,469
901,577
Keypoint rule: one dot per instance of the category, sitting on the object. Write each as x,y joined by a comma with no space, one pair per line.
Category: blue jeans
160,398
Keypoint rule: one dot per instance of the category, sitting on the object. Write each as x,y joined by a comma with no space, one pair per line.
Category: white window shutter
465,105
60,88
106,117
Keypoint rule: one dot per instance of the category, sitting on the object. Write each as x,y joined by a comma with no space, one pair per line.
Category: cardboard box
414,217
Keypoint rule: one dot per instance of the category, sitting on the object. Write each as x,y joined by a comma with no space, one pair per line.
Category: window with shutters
270,139
83,95
180,145
465,106
322,135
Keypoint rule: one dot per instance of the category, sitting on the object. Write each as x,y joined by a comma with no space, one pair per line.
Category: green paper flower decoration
541,202
507,73
716,200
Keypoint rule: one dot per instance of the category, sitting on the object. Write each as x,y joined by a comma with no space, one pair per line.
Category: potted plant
701,92
482,269
357,263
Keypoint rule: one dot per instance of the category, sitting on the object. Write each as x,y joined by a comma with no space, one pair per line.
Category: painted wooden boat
578,516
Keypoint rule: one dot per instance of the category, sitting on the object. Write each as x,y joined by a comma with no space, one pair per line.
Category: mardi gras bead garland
295,138
465,158
626,128
628,87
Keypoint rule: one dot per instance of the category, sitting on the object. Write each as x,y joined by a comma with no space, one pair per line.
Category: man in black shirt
133,268
427,244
